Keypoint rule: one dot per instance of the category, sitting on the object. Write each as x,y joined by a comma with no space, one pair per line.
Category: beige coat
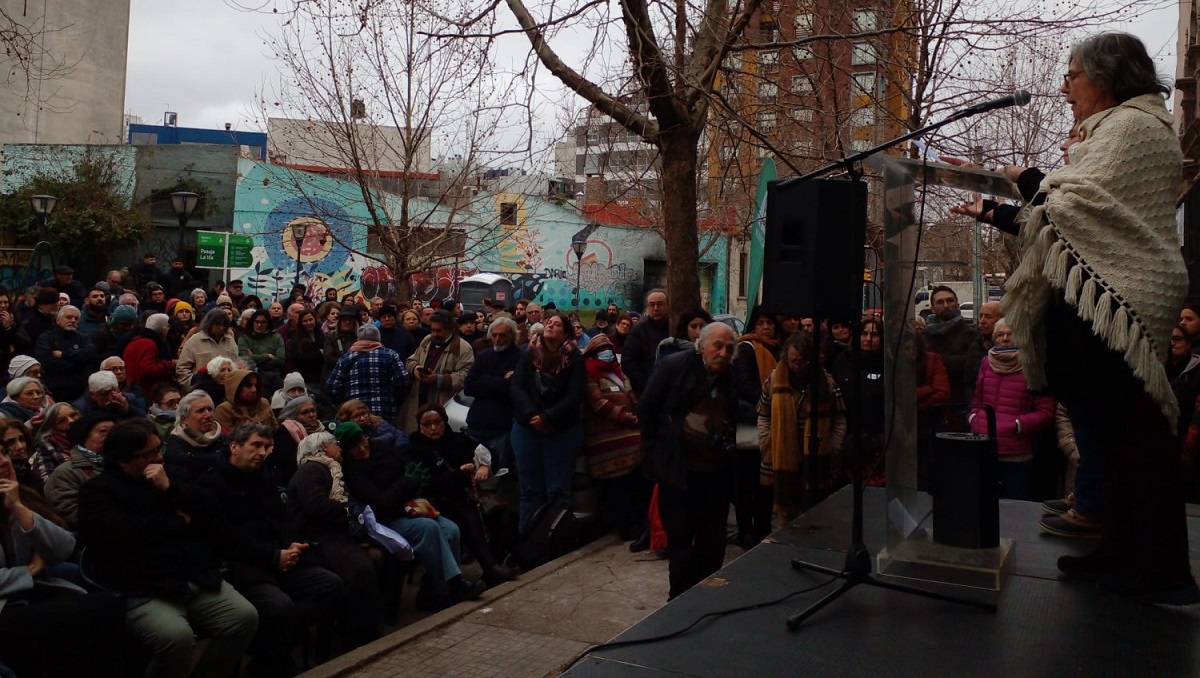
451,368
200,349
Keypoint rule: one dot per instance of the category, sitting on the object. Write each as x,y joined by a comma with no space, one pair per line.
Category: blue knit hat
124,314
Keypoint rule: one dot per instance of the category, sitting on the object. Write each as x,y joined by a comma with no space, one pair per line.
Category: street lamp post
43,206
184,203
299,235
579,246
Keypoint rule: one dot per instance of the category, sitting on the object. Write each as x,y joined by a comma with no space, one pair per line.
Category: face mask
606,355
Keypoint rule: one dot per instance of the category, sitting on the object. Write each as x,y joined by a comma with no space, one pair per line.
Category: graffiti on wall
441,282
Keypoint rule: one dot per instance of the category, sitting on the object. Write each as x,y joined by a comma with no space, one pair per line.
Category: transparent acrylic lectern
911,552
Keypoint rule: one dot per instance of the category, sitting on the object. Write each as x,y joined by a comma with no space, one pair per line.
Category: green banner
758,236
223,250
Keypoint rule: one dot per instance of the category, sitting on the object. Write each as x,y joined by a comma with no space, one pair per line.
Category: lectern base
920,558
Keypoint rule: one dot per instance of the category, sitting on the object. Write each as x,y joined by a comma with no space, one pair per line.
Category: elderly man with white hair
67,356
104,394
686,415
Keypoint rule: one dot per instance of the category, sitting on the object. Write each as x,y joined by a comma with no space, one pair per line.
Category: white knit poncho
1111,214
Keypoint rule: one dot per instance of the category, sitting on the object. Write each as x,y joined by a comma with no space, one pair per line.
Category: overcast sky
206,60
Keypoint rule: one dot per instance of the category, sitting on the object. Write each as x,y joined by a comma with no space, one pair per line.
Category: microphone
1017,98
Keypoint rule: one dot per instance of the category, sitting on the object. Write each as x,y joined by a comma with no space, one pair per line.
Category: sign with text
223,250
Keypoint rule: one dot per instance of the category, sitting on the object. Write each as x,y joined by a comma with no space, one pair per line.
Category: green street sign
212,248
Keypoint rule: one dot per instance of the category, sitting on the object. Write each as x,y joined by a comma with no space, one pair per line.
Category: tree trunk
679,149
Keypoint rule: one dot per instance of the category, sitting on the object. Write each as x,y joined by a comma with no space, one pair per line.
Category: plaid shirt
377,377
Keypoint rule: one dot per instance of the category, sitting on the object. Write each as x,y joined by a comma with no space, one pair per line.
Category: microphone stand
857,566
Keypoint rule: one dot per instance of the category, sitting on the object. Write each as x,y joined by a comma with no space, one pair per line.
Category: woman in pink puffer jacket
1020,414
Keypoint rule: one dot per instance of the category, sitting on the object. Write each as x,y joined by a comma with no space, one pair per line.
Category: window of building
725,154
862,54
508,213
743,273
766,121
733,61
804,24
801,84
862,89
862,117
802,114
802,147
860,144
865,21
761,152
768,90
802,52
768,32
768,59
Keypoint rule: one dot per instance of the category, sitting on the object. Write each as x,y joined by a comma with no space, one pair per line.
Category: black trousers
1145,529
287,607
54,632
753,502
695,520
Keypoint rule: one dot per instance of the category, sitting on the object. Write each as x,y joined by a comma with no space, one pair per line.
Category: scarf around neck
1004,359
195,439
550,362
337,490
764,353
944,326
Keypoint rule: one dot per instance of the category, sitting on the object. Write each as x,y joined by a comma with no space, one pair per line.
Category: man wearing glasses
143,533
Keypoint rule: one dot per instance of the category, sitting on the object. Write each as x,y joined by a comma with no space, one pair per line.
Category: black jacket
137,544
191,459
492,409
675,386
638,352
254,525
444,459
399,340
66,376
558,398
314,514
378,481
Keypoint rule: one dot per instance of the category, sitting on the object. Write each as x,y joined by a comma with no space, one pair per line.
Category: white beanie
20,364
157,322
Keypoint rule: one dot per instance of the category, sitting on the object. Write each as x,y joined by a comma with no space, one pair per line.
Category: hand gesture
973,208
36,565
290,557
157,475
426,376
118,400
539,424
482,473
958,162
11,491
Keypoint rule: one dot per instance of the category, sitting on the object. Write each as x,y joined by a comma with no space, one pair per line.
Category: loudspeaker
966,491
813,264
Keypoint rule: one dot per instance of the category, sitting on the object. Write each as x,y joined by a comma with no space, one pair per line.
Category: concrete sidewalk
534,626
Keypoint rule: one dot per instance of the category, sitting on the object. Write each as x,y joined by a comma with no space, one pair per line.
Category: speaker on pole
815,233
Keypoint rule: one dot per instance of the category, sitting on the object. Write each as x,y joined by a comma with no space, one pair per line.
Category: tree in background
409,119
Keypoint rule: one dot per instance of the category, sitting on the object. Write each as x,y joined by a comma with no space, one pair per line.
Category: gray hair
708,330
312,444
1118,63
64,310
216,364
17,385
242,433
504,322
185,404
128,299
102,381
1003,322
112,359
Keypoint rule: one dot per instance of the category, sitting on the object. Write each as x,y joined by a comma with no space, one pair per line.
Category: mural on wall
535,254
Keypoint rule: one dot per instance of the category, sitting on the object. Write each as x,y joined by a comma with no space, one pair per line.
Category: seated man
263,561
104,395
143,541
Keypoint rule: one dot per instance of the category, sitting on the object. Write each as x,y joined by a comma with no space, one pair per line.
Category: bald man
989,313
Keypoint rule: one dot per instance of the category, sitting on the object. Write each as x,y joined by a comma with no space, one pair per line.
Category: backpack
552,532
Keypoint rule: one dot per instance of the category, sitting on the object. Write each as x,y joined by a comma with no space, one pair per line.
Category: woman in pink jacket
1020,414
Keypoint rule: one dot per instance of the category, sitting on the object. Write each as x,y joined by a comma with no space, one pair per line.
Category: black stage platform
1043,626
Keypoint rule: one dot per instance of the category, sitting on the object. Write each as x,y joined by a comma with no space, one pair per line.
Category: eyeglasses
308,412
152,452
171,402
1071,75
432,424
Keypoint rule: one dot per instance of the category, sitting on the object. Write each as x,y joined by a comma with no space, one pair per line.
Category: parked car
735,322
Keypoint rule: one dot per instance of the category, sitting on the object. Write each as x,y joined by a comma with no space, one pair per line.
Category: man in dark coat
64,281
490,419
179,280
144,540
263,562
67,356
956,341
392,336
637,356
37,321
687,420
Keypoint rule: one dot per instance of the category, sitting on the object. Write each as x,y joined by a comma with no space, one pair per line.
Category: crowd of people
183,463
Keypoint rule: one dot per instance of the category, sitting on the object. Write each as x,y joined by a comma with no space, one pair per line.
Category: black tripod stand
857,567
